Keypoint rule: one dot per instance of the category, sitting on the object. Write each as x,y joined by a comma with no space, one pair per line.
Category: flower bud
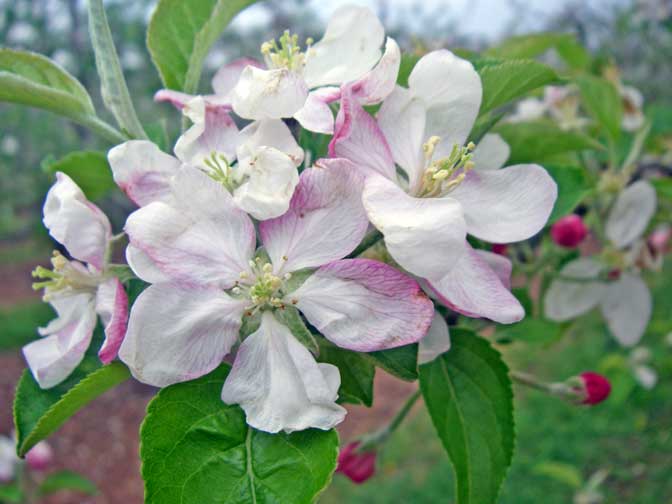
659,239
596,388
500,248
40,457
358,466
569,231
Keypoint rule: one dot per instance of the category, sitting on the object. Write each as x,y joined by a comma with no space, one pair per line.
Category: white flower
633,101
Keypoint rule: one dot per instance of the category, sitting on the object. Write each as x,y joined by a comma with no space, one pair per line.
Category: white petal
474,289
509,205
177,334
626,307
142,170
566,300
402,121
350,47
268,94
66,339
491,152
436,342
271,177
500,264
631,213
143,266
277,382
316,115
377,84
424,235
8,459
364,305
76,222
112,307
269,133
451,91
204,238
646,376
325,221
227,76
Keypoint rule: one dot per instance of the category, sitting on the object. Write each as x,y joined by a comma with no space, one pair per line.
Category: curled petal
316,115
176,98
268,94
474,289
269,133
76,222
277,382
491,152
435,342
565,299
65,340
626,306
424,235
364,305
377,84
227,76
142,171
350,47
509,205
325,220
143,266
177,333
112,307
631,213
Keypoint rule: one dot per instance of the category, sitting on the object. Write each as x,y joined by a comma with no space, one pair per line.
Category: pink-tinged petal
112,307
278,383
350,47
435,342
631,213
509,205
268,94
212,131
176,98
203,238
178,333
325,220
424,235
227,76
402,120
359,139
269,133
491,152
52,358
143,266
500,264
142,171
75,222
316,115
626,307
377,84
473,289
565,300
364,305
451,91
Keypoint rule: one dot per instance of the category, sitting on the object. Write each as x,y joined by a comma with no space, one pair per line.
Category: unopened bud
358,466
569,231
40,457
596,388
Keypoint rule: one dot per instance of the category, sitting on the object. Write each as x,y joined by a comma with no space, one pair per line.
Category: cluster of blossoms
240,230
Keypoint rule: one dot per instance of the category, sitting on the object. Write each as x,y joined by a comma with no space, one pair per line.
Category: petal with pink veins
377,84
177,333
279,385
474,289
268,94
143,266
631,213
565,300
435,342
364,305
112,307
325,220
626,307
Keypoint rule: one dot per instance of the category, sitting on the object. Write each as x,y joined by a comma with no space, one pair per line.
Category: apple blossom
448,190
633,117
198,251
77,289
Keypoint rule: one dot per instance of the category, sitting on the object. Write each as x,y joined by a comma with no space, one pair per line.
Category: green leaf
196,449
292,319
530,330
526,46
564,473
532,142
401,362
31,79
663,187
11,493
181,33
17,323
357,373
89,169
113,87
67,480
408,62
573,187
38,413
468,394
504,81
573,53
603,102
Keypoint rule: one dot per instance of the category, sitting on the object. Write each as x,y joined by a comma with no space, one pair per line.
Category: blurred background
624,445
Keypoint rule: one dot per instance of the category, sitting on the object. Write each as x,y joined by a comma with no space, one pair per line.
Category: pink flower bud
614,274
358,466
40,456
596,387
659,239
569,231
500,248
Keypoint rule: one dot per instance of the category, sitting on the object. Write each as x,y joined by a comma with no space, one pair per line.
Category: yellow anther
471,146
267,268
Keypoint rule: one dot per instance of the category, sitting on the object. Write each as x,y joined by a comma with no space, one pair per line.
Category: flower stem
370,441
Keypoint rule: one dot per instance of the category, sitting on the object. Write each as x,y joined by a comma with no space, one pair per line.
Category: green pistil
266,291
220,170
443,175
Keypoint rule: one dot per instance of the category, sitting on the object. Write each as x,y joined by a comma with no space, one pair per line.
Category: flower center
443,175
263,288
65,279
286,52
220,170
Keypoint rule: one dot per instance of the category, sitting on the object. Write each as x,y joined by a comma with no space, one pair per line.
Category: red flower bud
569,231
500,248
358,466
596,387
614,274
40,457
